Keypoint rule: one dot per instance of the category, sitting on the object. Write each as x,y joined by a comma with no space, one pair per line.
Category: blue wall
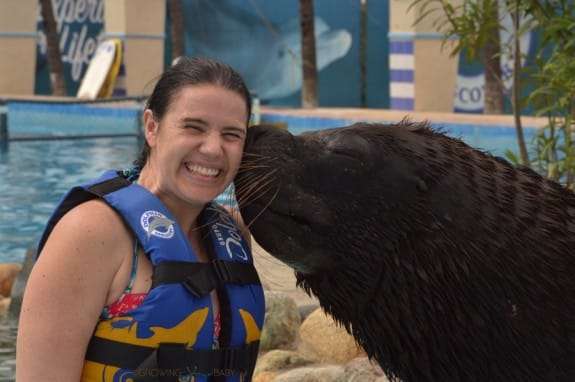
261,39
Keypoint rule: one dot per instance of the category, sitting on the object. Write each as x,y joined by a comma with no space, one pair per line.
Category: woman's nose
211,144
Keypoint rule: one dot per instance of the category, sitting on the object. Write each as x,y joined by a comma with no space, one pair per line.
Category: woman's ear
150,127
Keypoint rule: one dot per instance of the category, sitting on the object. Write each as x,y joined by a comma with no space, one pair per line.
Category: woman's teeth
204,171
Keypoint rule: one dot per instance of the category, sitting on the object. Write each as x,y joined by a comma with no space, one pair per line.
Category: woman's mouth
203,171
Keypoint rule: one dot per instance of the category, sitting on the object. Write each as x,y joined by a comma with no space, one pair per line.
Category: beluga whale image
266,54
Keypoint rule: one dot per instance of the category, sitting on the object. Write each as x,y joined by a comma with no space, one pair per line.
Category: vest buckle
221,270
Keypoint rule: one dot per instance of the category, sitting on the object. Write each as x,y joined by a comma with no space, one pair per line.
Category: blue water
34,175
8,330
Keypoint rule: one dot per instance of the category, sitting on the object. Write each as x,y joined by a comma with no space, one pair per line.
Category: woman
139,275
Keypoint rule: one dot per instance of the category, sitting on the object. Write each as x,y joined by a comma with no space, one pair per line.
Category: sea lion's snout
267,195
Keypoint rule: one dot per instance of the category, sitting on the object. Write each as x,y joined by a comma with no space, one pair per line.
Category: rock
306,310
266,376
276,360
281,322
311,374
8,273
20,283
4,303
361,369
327,339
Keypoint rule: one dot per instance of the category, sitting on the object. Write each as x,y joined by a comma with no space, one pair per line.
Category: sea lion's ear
150,127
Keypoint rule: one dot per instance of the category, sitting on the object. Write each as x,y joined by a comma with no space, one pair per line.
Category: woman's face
196,148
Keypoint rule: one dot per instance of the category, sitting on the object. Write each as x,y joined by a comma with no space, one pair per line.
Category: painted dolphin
267,55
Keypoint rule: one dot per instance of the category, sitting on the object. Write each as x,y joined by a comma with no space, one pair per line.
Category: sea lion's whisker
249,224
251,164
253,189
256,158
248,199
254,176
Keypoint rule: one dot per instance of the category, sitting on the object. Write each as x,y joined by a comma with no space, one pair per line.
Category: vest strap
201,278
107,186
172,360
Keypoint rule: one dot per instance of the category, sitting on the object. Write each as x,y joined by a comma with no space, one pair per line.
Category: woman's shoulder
92,227
95,216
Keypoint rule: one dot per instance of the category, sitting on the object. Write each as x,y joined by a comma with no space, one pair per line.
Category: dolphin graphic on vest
158,222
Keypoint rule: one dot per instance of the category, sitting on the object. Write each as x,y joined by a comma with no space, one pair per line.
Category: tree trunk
308,56
57,79
492,65
176,15
516,89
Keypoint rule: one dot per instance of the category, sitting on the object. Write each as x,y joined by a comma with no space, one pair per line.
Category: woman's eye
194,128
232,136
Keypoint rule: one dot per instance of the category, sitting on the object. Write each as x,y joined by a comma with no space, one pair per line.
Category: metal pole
256,113
3,124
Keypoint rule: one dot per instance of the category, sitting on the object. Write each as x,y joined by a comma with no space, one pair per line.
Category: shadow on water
8,329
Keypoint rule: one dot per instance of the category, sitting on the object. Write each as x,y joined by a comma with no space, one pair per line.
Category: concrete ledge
384,115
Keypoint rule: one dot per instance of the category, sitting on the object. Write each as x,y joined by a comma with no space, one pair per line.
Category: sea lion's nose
266,133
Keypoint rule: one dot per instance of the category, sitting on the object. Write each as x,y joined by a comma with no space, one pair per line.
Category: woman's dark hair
191,71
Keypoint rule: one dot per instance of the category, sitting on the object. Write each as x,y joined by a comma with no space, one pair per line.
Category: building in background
376,58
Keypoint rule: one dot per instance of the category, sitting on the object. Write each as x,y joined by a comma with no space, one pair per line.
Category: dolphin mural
267,55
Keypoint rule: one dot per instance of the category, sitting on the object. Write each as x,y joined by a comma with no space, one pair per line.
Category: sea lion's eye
351,146
346,152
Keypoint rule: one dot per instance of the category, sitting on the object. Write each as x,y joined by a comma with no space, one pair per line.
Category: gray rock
306,310
281,324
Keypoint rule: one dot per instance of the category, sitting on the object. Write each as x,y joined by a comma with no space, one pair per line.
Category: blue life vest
169,337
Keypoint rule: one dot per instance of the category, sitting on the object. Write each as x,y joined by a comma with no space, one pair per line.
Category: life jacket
169,337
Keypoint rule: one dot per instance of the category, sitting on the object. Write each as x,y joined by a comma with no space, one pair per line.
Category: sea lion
444,262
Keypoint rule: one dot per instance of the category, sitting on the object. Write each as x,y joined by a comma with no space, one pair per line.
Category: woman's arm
66,291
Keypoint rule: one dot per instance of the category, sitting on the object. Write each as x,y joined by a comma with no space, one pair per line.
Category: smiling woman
138,249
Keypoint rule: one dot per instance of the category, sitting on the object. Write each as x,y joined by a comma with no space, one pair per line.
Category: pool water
34,176
8,330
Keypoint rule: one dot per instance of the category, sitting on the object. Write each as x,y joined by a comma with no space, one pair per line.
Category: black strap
107,186
77,196
114,353
172,360
201,278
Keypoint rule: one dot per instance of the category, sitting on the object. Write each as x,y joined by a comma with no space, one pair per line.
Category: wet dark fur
445,263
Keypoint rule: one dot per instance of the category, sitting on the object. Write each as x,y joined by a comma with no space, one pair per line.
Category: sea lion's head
304,196
300,185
